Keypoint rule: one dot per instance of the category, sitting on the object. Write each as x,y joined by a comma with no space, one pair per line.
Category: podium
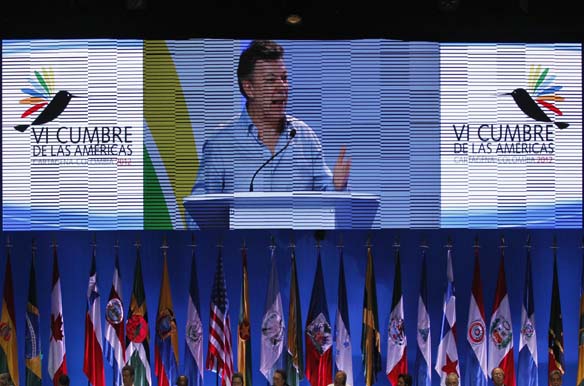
283,210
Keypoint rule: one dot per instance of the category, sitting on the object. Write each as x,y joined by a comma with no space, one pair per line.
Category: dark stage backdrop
74,250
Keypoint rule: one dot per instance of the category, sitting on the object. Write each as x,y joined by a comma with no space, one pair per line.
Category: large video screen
208,133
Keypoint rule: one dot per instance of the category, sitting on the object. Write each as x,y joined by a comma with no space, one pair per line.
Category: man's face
451,381
556,380
237,382
267,88
498,377
400,382
340,379
127,378
278,379
182,381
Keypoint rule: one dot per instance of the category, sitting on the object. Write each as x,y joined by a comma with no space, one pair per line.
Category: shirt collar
250,129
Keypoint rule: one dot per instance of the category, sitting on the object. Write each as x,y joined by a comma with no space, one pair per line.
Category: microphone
291,135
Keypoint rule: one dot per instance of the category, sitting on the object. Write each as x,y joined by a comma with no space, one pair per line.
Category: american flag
219,355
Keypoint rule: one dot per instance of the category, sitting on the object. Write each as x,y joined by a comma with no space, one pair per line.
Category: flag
114,344
370,339
580,375
447,357
8,342
422,372
219,355
343,352
166,342
295,351
501,331
397,342
193,360
57,353
243,328
32,343
137,330
318,334
527,362
93,356
272,326
556,331
476,360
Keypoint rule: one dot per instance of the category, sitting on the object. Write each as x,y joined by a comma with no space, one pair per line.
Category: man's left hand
342,170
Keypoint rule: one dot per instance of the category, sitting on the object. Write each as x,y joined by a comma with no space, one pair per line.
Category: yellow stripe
8,343
167,116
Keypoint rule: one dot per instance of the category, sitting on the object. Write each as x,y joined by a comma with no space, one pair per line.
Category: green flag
137,331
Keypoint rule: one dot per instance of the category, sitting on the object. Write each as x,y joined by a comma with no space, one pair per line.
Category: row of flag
126,339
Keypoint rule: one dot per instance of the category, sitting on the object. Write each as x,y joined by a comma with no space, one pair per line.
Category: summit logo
542,93
43,99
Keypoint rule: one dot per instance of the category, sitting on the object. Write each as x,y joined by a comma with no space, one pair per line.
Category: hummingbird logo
41,96
542,94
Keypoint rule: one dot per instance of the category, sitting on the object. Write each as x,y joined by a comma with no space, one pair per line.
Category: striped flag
243,328
138,330
295,351
580,375
272,326
343,352
219,354
166,342
318,334
556,331
32,343
114,327
93,357
476,332
501,331
397,342
370,338
527,362
8,341
447,357
57,353
193,361
423,372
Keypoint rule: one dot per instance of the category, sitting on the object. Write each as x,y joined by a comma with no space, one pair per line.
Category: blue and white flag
193,364
447,358
273,328
422,370
343,350
527,362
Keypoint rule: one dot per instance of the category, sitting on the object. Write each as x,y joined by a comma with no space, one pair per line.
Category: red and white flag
93,356
57,357
397,343
501,331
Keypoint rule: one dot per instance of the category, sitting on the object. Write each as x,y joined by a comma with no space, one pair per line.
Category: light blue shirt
233,154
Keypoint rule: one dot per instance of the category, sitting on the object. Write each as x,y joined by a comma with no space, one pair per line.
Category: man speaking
264,149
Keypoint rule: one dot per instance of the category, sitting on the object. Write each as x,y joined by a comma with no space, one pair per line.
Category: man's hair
282,372
555,372
181,377
128,368
343,374
407,379
237,375
64,380
451,375
257,50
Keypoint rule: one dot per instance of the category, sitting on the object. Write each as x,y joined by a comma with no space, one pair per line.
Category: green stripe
541,78
156,215
32,379
140,378
42,82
